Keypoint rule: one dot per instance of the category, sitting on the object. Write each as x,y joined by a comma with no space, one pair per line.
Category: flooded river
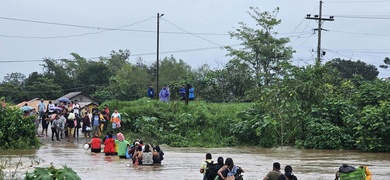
183,163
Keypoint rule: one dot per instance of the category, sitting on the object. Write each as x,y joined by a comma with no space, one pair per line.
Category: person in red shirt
109,146
96,144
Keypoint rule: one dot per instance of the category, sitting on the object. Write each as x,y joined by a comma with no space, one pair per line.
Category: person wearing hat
122,145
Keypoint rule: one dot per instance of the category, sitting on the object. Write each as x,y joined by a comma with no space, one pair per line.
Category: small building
83,99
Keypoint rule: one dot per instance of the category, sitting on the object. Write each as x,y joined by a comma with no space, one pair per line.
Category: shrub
16,131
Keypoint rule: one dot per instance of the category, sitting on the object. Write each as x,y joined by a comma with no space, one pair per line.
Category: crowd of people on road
67,119
137,151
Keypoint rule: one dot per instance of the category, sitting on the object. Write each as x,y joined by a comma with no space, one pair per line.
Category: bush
16,131
176,124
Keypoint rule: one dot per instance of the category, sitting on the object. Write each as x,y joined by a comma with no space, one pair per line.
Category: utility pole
158,46
320,19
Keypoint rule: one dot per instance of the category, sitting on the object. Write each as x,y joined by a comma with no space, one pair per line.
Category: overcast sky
189,30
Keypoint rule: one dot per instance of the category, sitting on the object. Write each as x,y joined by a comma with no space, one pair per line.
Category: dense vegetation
330,114
16,131
337,105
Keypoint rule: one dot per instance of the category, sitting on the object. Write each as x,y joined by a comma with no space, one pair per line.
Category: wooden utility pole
158,46
320,19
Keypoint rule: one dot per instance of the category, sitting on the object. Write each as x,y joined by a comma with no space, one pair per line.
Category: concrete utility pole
158,46
320,19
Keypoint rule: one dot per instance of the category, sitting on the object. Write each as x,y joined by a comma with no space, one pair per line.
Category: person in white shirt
50,106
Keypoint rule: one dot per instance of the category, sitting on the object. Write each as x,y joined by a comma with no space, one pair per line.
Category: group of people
229,171
275,174
140,153
165,94
66,120
220,170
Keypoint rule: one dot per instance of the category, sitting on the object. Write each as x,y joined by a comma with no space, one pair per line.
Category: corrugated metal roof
70,95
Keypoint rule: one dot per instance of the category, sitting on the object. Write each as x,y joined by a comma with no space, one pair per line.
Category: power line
140,54
303,29
102,29
75,35
367,34
191,33
374,1
378,17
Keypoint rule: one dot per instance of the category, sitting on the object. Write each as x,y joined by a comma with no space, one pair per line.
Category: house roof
33,103
71,95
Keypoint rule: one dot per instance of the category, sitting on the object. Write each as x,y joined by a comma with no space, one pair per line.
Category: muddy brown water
184,163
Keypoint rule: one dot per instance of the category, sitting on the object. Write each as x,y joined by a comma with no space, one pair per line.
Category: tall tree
260,48
387,63
348,69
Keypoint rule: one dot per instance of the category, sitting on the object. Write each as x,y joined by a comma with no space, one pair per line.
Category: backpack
211,170
345,168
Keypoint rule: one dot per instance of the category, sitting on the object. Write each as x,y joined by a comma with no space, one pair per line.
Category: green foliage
373,132
51,173
348,69
321,135
16,131
260,48
177,124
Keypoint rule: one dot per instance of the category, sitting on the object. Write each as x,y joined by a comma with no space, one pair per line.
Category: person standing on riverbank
275,173
151,92
116,119
45,124
41,109
164,94
86,126
70,126
203,165
54,128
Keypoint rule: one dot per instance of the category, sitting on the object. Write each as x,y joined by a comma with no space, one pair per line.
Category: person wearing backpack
233,171
203,165
218,166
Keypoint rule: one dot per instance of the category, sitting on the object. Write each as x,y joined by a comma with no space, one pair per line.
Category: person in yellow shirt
367,172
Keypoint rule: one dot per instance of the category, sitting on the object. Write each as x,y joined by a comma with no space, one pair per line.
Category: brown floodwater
184,163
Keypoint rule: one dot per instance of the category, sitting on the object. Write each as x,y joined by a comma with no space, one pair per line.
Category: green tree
386,64
12,87
260,48
348,69
43,87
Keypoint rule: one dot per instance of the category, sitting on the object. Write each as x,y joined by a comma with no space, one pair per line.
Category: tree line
339,104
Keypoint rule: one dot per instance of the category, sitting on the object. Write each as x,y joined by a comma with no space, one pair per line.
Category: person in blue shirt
151,92
182,92
191,93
